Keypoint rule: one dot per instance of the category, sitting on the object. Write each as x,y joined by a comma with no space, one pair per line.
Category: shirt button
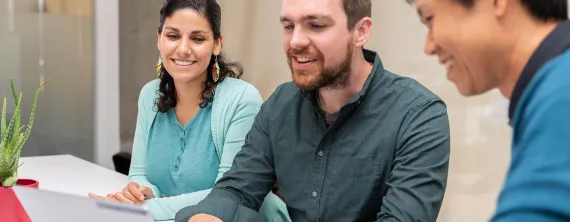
181,139
176,166
181,148
178,157
321,153
314,194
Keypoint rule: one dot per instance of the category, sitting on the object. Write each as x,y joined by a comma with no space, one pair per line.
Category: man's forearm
223,204
220,203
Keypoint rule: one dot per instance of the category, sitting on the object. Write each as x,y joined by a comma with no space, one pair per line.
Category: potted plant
12,139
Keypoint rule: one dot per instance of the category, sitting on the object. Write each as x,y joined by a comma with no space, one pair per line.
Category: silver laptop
42,205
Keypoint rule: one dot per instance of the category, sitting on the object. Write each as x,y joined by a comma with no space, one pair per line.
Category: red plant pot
11,208
28,183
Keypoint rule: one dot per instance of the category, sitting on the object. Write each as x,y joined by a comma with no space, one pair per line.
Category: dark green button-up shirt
385,158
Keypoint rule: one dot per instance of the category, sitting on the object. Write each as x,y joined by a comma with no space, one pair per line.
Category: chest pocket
355,187
353,167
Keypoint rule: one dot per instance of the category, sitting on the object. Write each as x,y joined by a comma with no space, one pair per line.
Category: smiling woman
188,49
193,120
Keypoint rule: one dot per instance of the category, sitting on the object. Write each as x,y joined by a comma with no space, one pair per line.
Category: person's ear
218,45
362,31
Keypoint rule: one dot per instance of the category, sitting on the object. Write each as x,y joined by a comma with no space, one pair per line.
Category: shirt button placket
317,183
182,143
181,151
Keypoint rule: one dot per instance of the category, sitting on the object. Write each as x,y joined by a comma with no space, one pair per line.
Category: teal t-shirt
182,159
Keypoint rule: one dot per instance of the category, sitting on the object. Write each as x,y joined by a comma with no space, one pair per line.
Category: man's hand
204,218
134,193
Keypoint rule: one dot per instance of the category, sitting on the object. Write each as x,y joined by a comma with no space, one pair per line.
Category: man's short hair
545,10
356,10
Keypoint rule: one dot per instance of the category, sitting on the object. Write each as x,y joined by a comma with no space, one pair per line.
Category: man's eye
316,26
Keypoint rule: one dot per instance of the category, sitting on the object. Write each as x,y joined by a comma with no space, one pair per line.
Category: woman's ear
158,37
218,45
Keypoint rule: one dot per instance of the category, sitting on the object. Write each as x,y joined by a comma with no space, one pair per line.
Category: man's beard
335,77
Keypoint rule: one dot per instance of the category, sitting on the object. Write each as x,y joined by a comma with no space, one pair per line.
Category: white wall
107,143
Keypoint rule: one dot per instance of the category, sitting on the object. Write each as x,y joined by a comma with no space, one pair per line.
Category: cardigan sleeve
137,171
240,123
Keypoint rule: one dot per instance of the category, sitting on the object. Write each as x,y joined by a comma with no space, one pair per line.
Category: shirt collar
553,45
377,70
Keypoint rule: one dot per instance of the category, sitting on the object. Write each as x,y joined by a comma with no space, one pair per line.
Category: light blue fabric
233,110
179,152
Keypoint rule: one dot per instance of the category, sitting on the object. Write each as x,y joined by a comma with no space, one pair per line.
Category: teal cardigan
234,108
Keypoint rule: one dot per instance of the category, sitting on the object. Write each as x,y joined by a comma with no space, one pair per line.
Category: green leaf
17,121
12,165
16,139
17,101
3,126
32,115
3,163
10,181
5,137
20,143
13,91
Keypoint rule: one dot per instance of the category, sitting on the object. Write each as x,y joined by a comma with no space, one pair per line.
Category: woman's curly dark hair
210,10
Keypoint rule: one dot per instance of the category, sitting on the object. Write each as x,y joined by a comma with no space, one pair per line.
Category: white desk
69,174
72,175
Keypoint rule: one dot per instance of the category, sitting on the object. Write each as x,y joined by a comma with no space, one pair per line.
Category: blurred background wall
59,42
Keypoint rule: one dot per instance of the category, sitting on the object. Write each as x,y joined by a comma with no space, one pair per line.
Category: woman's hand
109,197
134,193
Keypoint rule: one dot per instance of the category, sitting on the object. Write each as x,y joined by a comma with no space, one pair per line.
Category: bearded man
346,140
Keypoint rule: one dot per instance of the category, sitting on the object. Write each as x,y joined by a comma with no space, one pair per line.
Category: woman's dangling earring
216,70
158,66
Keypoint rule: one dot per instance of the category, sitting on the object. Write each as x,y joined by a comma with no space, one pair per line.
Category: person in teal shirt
193,119
522,48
